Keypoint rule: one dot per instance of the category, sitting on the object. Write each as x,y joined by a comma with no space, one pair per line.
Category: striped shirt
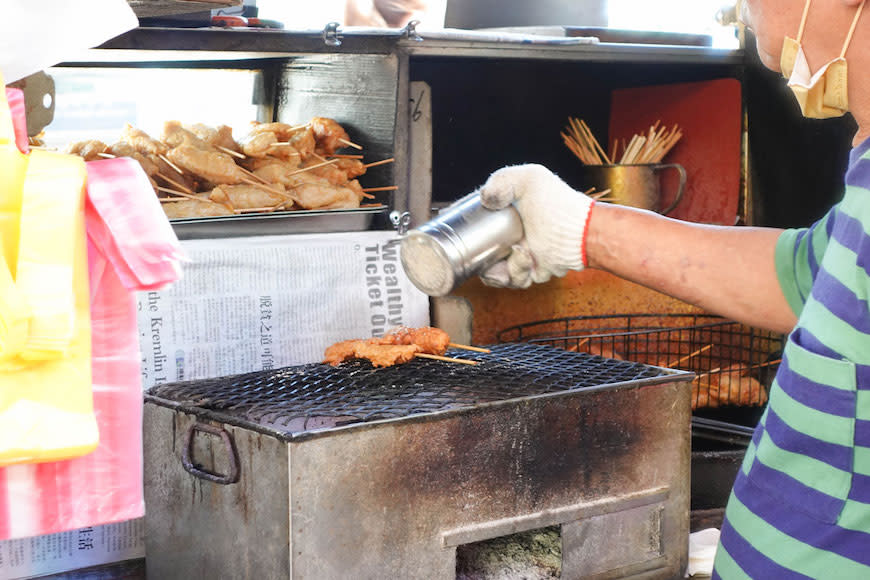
800,507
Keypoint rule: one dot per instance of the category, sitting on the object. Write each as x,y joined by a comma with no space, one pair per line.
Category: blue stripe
860,490
841,301
857,153
804,498
786,438
811,255
849,233
862,377
824,398
754,563
789,520
808,341
862,433
859,174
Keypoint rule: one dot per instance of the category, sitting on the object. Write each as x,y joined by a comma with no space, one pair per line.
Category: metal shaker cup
463,240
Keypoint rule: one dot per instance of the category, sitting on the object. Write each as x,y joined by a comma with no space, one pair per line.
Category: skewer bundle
642,148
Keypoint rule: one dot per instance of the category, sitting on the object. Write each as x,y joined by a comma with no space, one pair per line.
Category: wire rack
734,364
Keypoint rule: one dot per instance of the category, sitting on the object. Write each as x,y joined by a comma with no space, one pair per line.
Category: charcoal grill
316,471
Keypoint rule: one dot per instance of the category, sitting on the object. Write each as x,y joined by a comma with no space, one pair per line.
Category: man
392,13
800,507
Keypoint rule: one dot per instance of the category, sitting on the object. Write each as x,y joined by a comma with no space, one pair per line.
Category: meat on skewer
90,150
397,346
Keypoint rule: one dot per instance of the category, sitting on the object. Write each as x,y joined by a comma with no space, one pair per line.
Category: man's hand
554,221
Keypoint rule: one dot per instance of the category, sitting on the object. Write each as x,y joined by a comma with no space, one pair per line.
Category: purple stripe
808,500
862,433
808,340
824,398
860,490
857,152
859,173
754,563
786,438
849,233
790,520
811,256
862,377
841,301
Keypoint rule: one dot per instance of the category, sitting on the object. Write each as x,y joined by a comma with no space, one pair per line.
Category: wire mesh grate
734,363
317,396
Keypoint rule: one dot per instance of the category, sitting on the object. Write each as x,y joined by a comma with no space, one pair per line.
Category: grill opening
532,555
734,363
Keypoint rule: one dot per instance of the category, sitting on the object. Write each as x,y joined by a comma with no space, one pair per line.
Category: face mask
822,95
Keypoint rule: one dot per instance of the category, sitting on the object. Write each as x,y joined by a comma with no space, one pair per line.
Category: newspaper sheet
83,548
256,303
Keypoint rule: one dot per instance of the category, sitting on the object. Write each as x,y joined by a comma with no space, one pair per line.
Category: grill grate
317,396
734,364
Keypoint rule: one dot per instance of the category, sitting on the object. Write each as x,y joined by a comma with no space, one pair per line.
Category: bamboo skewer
186,195
250,173
648,147
350,144
174,183
229,151
468,347
381,162
171,164
315,166
742,370
103,155
345,156
445,358
687,357
266,187
385,188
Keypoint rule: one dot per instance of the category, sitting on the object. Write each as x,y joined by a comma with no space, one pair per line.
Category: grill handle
187,452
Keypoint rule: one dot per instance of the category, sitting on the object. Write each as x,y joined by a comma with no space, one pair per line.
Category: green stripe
810,472
854,205
789,278
839,258
748,457
839,374
817,424
862,461
789,552
854,516
838,335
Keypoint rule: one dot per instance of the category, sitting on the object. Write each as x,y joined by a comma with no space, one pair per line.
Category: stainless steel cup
464,239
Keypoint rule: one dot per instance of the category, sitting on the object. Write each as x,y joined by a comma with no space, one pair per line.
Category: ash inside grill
309,397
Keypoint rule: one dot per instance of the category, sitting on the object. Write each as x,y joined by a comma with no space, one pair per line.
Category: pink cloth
15,97
131,247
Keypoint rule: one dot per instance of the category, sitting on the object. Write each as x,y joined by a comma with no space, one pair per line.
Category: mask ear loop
800,34
852,29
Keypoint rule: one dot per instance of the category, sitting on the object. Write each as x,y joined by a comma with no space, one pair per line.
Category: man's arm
726,270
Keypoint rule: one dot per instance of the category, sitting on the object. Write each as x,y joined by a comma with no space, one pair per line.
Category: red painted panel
709,114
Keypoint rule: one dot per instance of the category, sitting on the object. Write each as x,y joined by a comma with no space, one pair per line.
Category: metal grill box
356,472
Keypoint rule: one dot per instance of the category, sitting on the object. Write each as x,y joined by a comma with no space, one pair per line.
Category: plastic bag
130,247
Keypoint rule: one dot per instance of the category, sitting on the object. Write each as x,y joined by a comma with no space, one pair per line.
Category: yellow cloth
46,401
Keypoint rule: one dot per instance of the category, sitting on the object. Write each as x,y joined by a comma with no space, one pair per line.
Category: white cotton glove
554,217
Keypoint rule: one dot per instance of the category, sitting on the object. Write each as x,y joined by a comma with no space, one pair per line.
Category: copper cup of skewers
637,185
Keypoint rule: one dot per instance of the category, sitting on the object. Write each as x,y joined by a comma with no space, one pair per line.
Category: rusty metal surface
196,528
410,488
393,498
293,400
